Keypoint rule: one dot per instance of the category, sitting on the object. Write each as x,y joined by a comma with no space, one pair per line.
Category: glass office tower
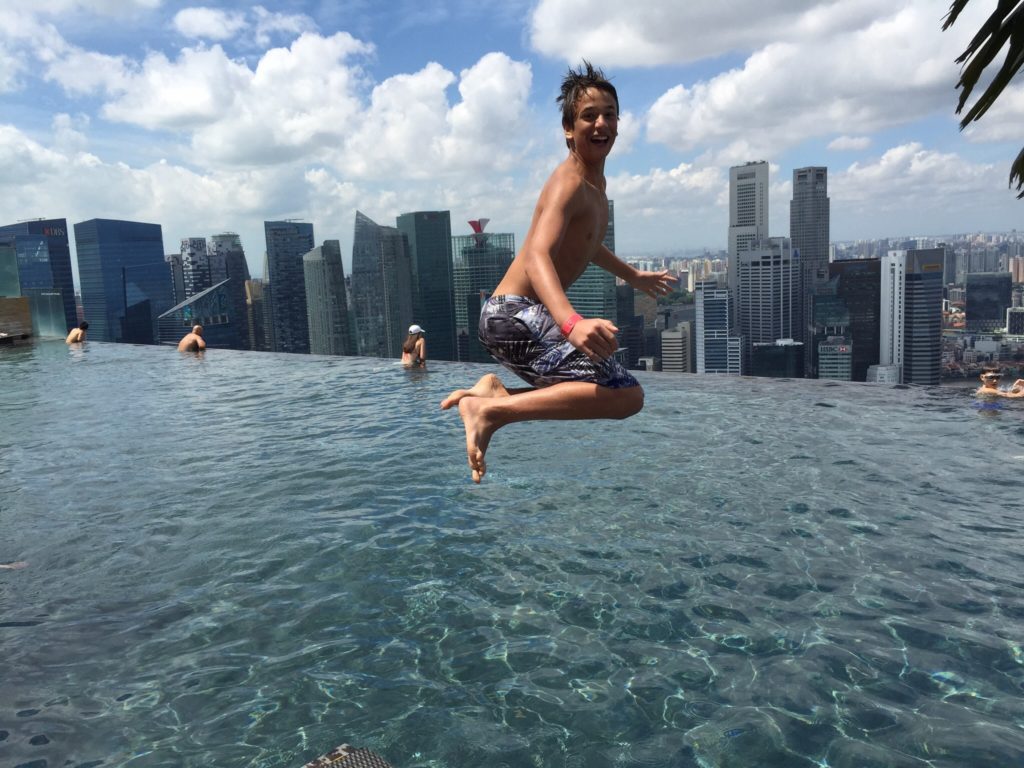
428,236
125,282
287,243
44,261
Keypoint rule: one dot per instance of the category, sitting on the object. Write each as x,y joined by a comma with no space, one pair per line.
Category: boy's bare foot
488,386
478,433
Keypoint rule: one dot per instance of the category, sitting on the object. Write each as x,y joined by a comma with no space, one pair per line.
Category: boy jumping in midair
528,325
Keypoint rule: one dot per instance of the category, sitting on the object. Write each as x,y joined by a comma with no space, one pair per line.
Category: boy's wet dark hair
576,83
83,325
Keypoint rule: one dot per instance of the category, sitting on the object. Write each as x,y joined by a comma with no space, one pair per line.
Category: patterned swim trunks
521,335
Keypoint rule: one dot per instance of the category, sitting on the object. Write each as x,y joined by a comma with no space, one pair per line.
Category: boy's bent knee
632,401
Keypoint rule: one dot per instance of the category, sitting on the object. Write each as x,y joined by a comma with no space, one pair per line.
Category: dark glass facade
922,319
44,261
809,214
287,243
381,288
777,360
125,282
989,295
428,237
860,289
215,310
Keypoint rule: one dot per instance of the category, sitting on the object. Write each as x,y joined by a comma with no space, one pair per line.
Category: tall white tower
892,309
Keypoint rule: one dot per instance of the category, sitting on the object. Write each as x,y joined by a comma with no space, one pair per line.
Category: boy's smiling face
596,125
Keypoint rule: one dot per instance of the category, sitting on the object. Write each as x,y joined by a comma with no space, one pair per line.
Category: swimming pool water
246,559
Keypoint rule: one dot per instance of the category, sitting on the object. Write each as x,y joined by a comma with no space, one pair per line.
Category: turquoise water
247,559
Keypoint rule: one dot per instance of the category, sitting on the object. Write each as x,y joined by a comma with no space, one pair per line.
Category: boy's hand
594,337
654,284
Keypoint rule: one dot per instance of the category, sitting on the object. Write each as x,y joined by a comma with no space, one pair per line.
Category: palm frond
1004,28
1017,172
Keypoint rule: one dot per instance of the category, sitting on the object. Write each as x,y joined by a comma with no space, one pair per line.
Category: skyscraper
195,266
893,305
480,261
428,235
44,261
748,213
228,262
326,302
287,243
768,292
860,286
809,233
381,288
911,314
125,281
675,348
718,351
989,295
922,338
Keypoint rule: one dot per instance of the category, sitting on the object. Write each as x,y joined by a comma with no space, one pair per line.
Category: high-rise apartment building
809,233
480,261
768,294
428,237
287,243
326,302
718,350
125,282
381,288
260,325
44,262
988,296
748,212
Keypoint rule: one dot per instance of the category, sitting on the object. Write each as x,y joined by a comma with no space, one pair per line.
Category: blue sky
205,118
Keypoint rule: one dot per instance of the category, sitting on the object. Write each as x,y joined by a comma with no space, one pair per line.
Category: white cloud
209,23
270,23
196,89
849,143
649,34
859,80
1002,121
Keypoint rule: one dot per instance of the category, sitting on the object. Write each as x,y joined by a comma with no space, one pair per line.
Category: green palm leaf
1003,29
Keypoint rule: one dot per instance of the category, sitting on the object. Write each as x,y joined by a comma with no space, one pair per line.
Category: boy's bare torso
586,214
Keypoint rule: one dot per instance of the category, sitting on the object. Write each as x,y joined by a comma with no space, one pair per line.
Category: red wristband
570,323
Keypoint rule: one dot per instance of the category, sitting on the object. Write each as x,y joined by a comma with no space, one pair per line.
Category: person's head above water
414,329
197,330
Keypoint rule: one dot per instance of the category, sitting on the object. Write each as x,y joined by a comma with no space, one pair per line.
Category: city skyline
222,117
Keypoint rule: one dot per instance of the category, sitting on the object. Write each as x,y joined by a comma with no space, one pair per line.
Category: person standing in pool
990,386
414,349
529,325
77,335
194,341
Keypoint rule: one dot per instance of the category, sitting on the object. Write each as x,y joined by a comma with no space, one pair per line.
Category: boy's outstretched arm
654,284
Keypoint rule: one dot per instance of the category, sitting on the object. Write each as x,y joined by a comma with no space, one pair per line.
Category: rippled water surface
246,559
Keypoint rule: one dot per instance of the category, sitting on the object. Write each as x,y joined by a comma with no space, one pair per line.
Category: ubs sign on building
44,261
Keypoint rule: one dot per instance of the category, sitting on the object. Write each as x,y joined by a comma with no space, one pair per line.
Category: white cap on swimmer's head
415,329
